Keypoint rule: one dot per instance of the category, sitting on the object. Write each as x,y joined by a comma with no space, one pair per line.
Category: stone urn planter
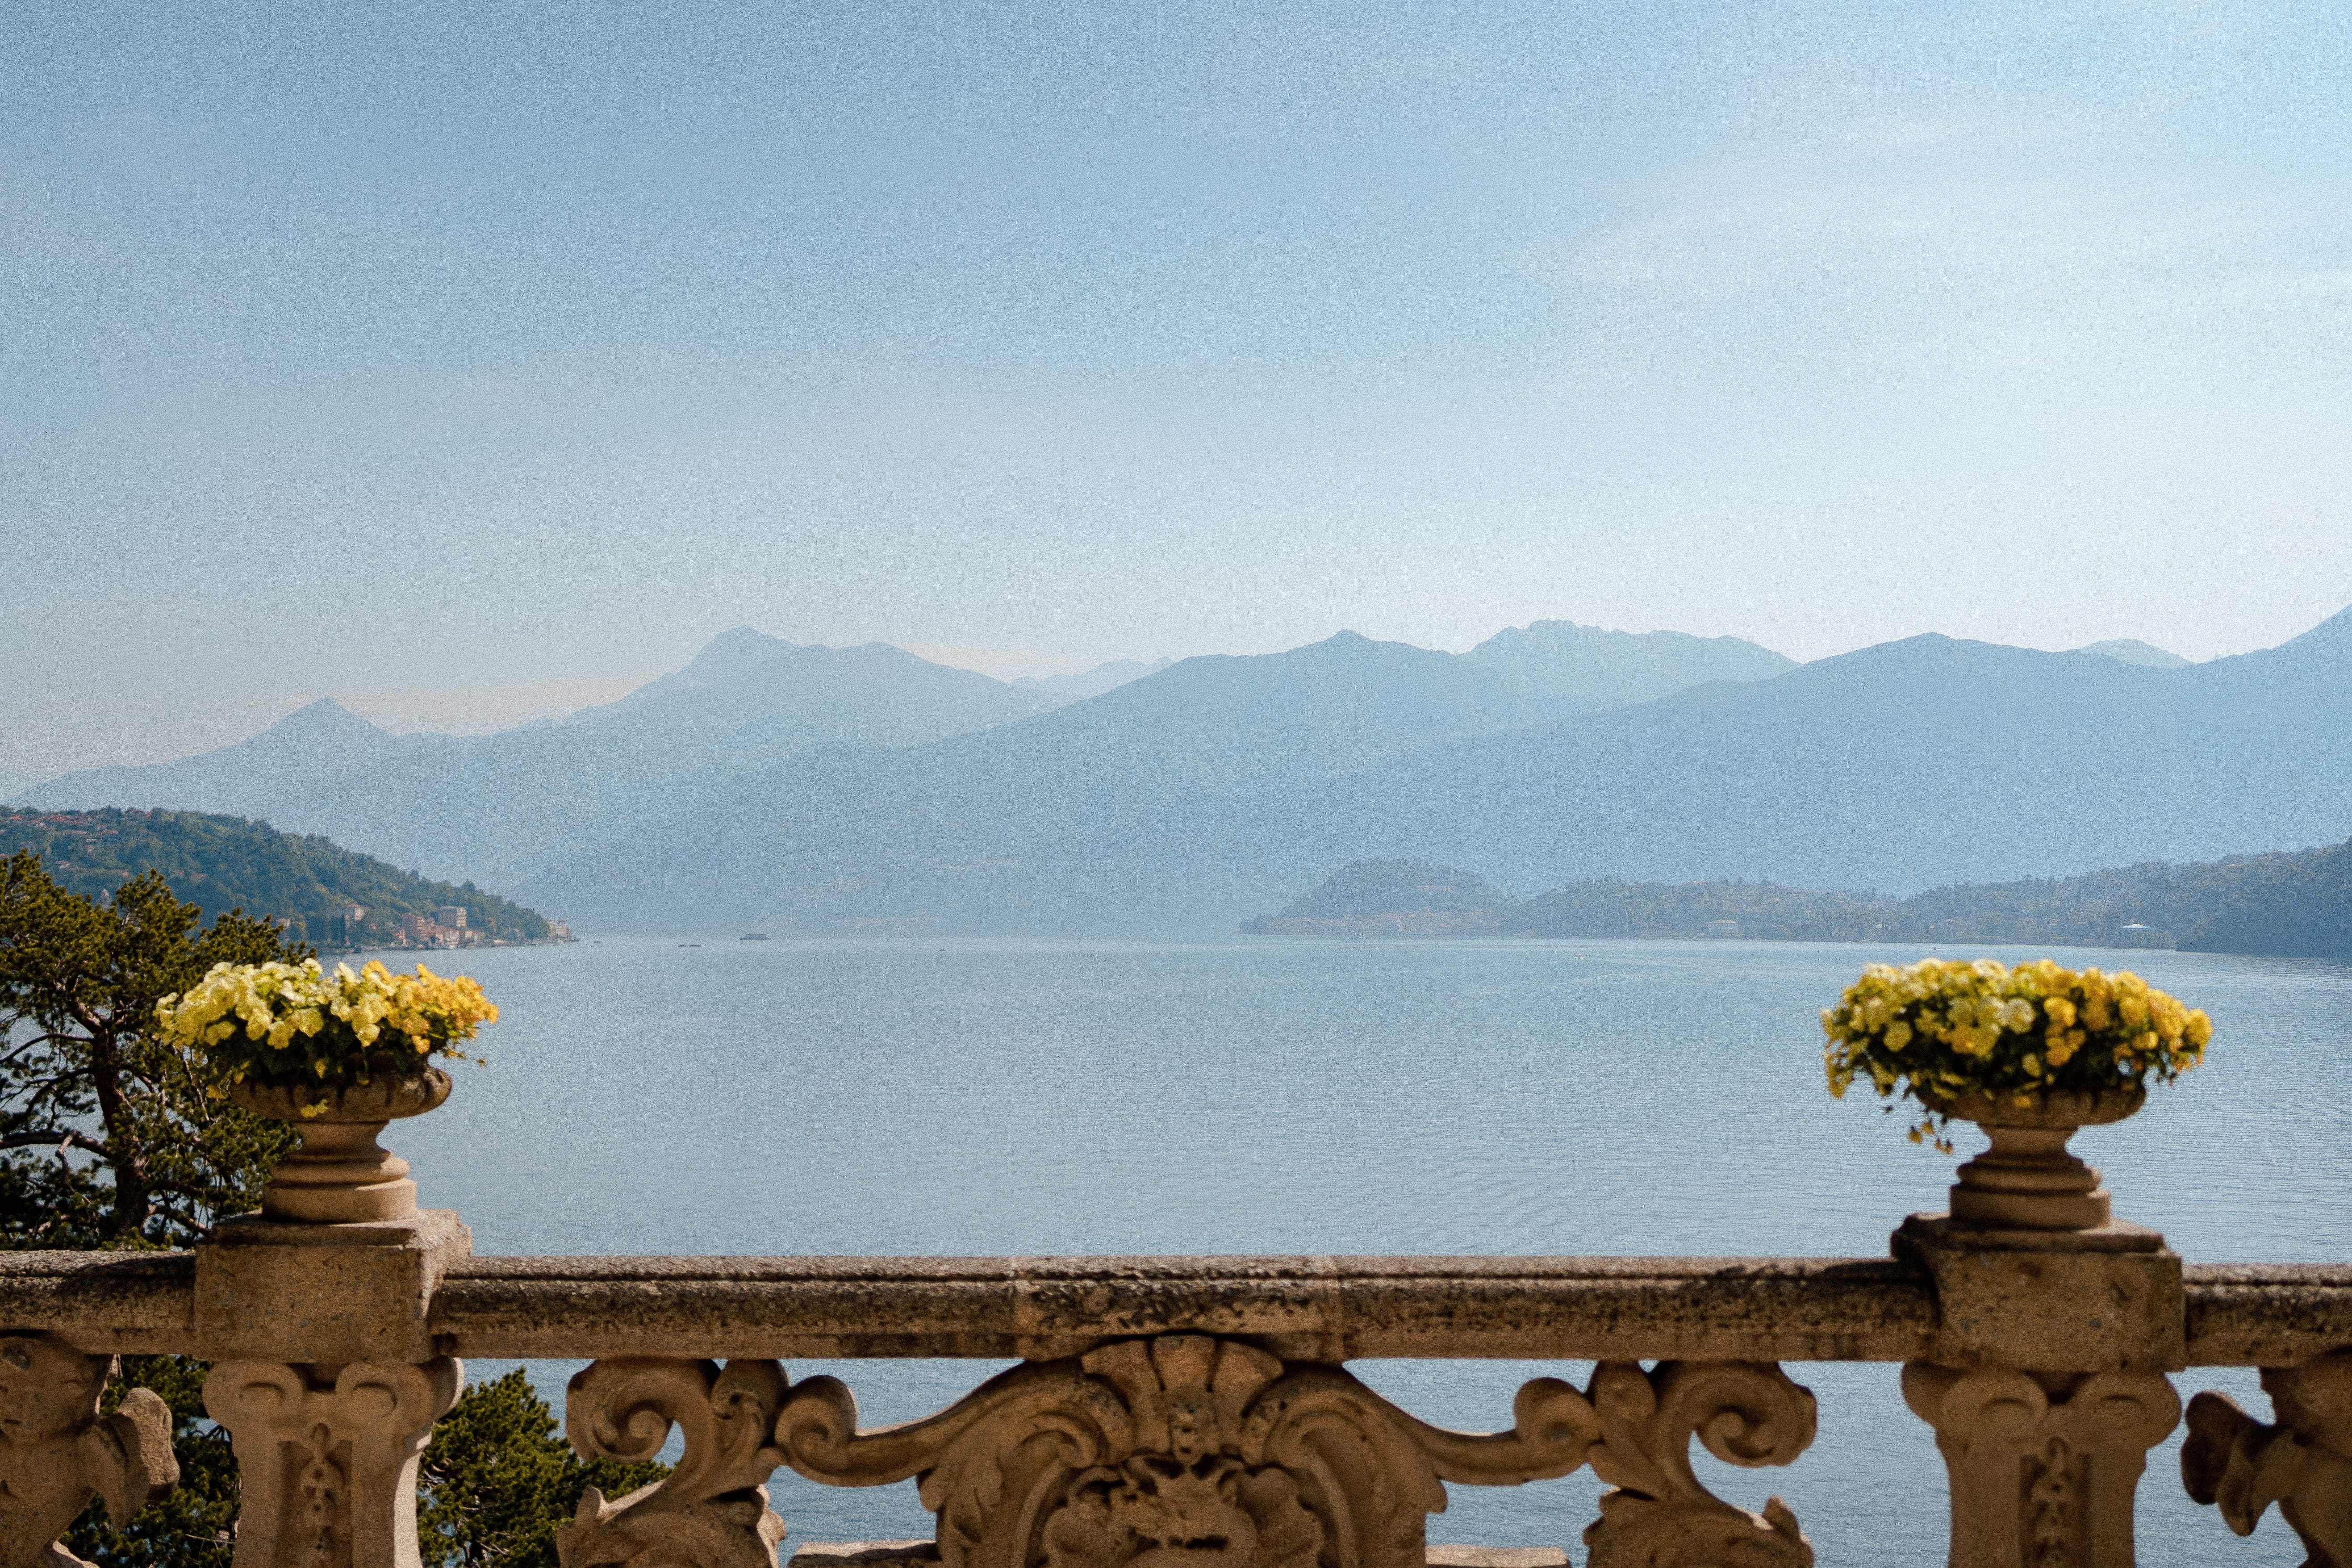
340,1175
2027,1180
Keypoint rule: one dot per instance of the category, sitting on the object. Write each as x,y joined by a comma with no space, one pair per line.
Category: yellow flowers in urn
1944,1030
295,1024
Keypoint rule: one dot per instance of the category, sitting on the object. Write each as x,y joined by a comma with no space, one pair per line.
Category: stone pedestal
2046,1388
327,1457
331,1294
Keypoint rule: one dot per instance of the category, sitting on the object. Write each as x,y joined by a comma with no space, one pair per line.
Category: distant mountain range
2131,650
1093,682
970,833
497,809
775,785
2292,905
501,808
1182,800
313,742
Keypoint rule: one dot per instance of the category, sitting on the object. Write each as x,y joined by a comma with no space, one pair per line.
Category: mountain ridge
1909,765
319,738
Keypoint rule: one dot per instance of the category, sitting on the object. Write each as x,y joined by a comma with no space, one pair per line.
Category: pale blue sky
408,353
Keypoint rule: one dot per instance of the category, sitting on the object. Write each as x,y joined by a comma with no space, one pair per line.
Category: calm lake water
1316,1097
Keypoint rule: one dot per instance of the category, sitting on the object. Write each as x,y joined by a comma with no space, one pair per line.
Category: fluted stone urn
2027,1180
340,1175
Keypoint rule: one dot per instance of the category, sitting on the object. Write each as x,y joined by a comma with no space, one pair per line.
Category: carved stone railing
1178,1413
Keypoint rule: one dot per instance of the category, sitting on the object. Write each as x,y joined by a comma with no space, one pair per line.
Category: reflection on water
1299,1095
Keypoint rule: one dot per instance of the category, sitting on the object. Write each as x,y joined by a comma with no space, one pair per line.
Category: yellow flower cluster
1943,1028
281,1022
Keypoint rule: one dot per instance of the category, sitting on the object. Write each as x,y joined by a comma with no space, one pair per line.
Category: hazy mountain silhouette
322,739
1093,682
1583,668
500,807
1901,768
2131,650
841,822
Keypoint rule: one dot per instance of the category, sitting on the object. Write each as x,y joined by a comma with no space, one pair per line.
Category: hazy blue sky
477,360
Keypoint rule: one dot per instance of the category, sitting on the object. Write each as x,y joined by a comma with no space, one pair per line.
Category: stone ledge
1304,1309
2266,1314
2260,1314
878,1553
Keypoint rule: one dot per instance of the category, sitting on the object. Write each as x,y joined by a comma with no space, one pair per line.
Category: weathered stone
1185,1447
340,1175
2266,1314
121,1303
2043,1470
327,1457
711,1510
2303,1463
1182,1446
2051,1301
56,1452
323,1293
888,1554
1301,1309
1655,1513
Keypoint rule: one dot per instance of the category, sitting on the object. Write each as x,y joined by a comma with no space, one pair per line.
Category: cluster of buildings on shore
346,925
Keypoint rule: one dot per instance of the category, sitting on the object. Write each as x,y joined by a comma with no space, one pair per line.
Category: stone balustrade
1196,1412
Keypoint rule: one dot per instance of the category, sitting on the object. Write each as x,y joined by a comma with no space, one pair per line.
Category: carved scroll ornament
2303,1463
56,1450
1187,1451
1656,1515
1180,1451
711,1511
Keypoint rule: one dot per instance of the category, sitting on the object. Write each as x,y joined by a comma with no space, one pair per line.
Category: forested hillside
2297,904
227,862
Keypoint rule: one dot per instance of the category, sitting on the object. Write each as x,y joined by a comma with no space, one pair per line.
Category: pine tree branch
61,1139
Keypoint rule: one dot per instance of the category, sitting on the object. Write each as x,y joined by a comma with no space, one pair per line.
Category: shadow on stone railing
1179,1412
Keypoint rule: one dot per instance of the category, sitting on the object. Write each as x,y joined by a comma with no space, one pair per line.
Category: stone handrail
1196,1410
1579,1309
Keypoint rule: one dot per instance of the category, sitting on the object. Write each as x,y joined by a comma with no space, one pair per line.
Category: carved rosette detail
2302,1463
1189,1451
711,1511
2042,1476
57,1451
328,1469
1655,1513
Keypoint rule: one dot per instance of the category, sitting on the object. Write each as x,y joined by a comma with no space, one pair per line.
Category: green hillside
2294,904
2286,906
227,862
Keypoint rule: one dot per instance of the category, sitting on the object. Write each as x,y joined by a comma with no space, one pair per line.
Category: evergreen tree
111,1138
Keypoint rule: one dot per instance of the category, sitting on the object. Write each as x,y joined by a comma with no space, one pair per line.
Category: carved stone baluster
1656,1515
1193,1451
327,1464
2041,1478
2303,1463
711,1511
56,1450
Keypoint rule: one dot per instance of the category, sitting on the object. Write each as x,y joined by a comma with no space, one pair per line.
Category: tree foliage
107,1135
227,862
109,1140
497,1481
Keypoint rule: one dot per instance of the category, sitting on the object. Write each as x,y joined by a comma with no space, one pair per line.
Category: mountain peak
734,651
324,717
2131,650
2336,628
